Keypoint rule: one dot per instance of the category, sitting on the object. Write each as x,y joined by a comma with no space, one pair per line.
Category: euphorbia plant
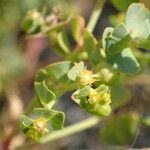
95,69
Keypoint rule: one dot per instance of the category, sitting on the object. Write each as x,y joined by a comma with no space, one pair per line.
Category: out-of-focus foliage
13,11
11,66
120,130
11,14
123,5
120,95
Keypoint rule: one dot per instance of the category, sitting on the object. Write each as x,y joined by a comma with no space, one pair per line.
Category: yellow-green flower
86,77
93,97
40,125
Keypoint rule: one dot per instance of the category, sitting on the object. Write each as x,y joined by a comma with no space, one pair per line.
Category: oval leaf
90,46
138,21
75,70
63,42
55,117
125,62
77,26
46,96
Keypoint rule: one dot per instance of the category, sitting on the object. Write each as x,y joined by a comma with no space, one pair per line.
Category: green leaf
84,92
146,120
58,120
58,71
144,41
103,110
25,123
27,24
102,88
122,5
63,41
55,117
99,110
117,19
116,43
41,75
77,26
118,40
138,21
125,62
120,130
57,27
46,96
90,45
89,41
75,70
119,96
55,77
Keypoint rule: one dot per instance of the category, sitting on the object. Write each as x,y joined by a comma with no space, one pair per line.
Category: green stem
95,15
75,128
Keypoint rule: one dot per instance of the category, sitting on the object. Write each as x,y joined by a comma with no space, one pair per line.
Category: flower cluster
35,129
40,125
94,98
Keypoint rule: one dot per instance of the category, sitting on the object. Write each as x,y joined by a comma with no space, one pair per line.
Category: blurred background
21,57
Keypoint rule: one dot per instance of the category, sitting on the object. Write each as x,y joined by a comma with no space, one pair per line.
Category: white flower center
40,124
